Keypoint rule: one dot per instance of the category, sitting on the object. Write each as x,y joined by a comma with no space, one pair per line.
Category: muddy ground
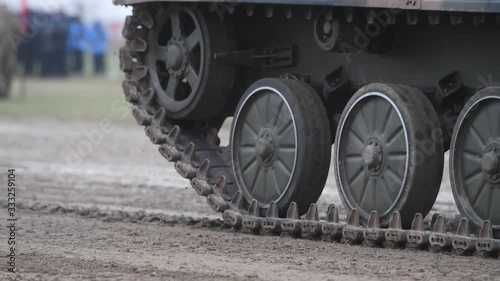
112,209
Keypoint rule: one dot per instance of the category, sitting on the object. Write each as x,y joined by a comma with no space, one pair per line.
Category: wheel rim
176,58
372,154
475,160
264,142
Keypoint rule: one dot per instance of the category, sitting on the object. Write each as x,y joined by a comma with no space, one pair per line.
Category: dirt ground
96,201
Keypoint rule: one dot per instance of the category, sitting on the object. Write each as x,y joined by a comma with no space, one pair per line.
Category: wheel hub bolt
489,163
372,156
264,147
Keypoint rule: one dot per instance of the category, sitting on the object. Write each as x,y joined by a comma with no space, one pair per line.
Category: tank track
197,157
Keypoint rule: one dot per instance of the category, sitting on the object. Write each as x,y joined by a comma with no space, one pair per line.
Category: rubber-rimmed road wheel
188,81
281,144
389,153
475,158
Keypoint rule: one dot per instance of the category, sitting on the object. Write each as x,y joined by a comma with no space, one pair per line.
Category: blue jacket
98,38
76,36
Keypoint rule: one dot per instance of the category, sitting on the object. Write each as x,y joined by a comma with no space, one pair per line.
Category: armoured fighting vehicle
390,86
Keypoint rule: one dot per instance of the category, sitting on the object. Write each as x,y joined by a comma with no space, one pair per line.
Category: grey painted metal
174,54
366,170
475,161
265,153
481,6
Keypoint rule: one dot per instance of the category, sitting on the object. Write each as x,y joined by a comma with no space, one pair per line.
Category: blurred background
67,54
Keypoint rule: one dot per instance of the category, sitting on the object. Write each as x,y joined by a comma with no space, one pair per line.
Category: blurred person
98,39
54,51
10,32
76,44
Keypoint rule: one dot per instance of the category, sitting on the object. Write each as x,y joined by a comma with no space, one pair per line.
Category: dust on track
122,212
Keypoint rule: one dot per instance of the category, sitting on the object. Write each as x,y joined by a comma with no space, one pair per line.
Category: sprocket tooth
145,18
373,233
253,221
395,235
130,91
463,243
189,154
332,215
370,15
173,135
412,17
332,227
439,239
201,187
434,18
312,213
272,210
126,60
253,209
293,212
418,222
311,224
233,218
185,170
272,222
478,19
169,152
250,9
204,169
463,228
139,45
220,184
147,97
417,236
352,232
486,245
217,203
141,116
456,19
373,220
238,201
288,12
353,218
269,9
349,13
292,224
308,13
139,72
130,27
230,9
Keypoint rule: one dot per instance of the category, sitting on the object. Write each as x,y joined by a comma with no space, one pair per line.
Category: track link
197,156
193,147
351,232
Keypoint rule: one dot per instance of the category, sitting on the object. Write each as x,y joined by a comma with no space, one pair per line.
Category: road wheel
179,53
281,144
475,158
389,153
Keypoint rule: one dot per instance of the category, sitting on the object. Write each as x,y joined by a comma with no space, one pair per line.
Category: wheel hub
265,147
373,157
176,57
490,164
